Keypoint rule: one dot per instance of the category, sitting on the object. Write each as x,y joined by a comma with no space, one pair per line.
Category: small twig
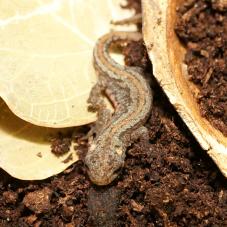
131,20
208,75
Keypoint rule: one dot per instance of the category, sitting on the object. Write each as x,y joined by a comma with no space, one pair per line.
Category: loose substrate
169,181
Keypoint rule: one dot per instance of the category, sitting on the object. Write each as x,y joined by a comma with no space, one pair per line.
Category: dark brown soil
169,181
61,144
202,27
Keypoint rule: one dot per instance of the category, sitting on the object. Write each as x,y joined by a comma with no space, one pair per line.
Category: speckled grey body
132,98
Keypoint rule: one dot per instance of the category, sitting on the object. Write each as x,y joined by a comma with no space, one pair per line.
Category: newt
131,96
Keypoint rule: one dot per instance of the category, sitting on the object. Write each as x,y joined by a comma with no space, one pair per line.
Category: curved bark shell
167,54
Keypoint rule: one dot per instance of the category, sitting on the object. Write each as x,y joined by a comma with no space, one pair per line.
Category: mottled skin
132,98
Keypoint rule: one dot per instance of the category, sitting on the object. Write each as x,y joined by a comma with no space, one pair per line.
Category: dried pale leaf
46,57
167,54
25,148
46,76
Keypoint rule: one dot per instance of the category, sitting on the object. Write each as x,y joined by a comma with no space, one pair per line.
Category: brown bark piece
167,56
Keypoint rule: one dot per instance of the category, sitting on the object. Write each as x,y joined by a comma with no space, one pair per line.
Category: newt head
104,166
